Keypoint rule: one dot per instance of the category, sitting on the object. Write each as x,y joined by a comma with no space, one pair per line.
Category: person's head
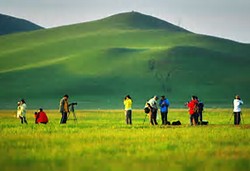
162,97
22,101
40,109
18,103
66,96
128,97
237,97
194,97
156,97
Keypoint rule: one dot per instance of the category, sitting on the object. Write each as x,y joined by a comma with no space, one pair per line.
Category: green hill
97,63
11,24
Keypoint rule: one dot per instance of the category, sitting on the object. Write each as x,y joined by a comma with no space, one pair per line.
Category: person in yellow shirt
128,109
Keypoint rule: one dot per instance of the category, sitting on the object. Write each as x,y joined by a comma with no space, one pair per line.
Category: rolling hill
11,24
97,63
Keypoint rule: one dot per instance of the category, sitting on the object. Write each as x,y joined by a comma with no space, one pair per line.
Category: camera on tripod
72,110
72,104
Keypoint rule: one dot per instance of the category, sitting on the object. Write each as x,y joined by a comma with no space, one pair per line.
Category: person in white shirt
22,116
237,102
152,104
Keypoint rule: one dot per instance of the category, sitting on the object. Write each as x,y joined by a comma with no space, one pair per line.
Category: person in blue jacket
164,104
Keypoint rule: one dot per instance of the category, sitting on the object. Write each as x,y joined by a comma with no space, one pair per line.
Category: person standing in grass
200,110
64,109
18,113
152,104
22,114
193,110
237,109
164,103
128,109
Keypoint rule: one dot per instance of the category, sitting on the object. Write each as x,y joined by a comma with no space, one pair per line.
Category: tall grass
100,140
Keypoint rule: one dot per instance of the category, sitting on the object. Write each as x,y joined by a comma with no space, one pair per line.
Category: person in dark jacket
64,109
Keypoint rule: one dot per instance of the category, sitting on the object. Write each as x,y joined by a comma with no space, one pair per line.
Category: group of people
151,108
195,110
40,116
195,106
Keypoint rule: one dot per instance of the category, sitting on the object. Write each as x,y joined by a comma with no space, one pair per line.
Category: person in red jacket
41,117
193,110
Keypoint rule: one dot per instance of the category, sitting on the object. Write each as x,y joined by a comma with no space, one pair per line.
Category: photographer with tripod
152,104
64,109
237,110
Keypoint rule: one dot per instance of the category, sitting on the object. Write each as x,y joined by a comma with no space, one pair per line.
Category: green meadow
100,140
99,62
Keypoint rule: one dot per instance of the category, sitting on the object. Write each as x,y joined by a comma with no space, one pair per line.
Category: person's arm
167,103
149,105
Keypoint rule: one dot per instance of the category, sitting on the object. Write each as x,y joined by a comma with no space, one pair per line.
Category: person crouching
41,117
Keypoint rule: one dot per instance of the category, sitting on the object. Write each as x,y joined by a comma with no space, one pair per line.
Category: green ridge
97,63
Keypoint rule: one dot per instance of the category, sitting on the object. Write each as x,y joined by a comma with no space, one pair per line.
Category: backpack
146,110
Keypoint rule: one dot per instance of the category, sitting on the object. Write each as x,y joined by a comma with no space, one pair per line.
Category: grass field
100,140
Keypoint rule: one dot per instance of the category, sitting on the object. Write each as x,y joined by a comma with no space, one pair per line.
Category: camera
72,104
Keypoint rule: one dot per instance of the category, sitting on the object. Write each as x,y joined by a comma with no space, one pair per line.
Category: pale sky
228,19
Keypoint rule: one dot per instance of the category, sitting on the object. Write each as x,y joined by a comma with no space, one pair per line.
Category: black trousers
64,118
164,118
237,118
23,119
200,116
194,119
129,117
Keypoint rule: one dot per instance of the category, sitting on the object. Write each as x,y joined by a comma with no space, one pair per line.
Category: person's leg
155,117
21,119
24,119
64,118
130,117
162,118
61,119
237,118
126,115
201,117
151,117
166,118
191,120
196,118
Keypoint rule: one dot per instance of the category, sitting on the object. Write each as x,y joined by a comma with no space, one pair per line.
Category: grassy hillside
11,24
98,63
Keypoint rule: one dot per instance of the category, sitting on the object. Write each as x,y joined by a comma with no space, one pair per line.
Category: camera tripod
72,110
240,115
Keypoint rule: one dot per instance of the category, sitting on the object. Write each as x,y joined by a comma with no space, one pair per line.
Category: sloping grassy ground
100,140
98,63
11,24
